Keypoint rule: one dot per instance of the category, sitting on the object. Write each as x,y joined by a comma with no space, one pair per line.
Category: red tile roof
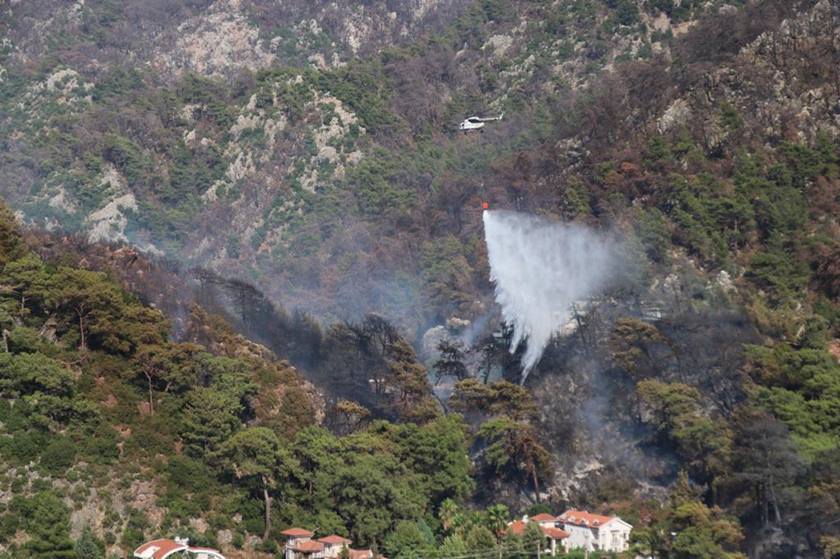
544,517
555,533
308,546
584,518
158,549
163,548
517,527
360,554
334,539
297,533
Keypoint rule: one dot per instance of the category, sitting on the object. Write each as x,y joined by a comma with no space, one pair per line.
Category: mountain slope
319,162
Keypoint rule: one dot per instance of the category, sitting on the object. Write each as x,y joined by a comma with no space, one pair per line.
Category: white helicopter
477,122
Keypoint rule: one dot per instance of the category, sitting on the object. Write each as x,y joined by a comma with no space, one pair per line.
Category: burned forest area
420,279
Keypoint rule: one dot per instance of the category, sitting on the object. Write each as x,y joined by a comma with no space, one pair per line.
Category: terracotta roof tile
544,517
297,533
163,548
517,527
555,533
360,554
308,546
334,539
584,518
158,549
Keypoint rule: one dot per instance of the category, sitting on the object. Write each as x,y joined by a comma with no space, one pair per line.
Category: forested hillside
189,176
127,132
112,431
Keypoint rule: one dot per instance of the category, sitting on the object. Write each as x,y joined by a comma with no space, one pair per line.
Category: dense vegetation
103,413
708,140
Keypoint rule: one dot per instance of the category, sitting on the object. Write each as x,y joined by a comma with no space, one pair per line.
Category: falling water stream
539,269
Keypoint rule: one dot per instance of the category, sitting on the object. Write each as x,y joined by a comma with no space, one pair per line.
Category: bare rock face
677,114
108,223
430,340
217,42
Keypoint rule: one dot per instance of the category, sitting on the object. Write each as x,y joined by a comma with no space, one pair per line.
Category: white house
333,545
594,531
548,525
543,519
179,547
300,545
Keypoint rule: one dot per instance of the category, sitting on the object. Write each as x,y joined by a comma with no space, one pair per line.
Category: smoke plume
540,269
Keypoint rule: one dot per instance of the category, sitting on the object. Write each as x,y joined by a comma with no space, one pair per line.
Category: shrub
58,455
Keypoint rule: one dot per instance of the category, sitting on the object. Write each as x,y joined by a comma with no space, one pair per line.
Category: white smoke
540,269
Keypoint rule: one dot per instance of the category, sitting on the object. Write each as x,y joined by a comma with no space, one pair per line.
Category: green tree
438,453
12,246
513,447
86,296
34,373
43,383
88,546
410,539
533,539
766,461
688,529
499,398
256,456
449,513
497,519
351,415
28,278
319,454
210,418
636,346
481,538
165,367
47,523
453,545
675,409
374,489
451,361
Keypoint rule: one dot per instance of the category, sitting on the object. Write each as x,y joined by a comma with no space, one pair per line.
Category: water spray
540,269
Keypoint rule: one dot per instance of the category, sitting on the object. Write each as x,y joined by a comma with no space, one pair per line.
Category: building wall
332,551
615,536
579,537
598,538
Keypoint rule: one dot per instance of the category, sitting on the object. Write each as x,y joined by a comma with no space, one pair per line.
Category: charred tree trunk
763,504
535,479
774,502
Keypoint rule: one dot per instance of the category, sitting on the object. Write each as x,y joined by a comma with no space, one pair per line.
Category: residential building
333,545
164,548
544,519
300,545
594,531
547,524
362,554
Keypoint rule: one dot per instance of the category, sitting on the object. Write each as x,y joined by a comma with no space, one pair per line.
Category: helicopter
477,123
